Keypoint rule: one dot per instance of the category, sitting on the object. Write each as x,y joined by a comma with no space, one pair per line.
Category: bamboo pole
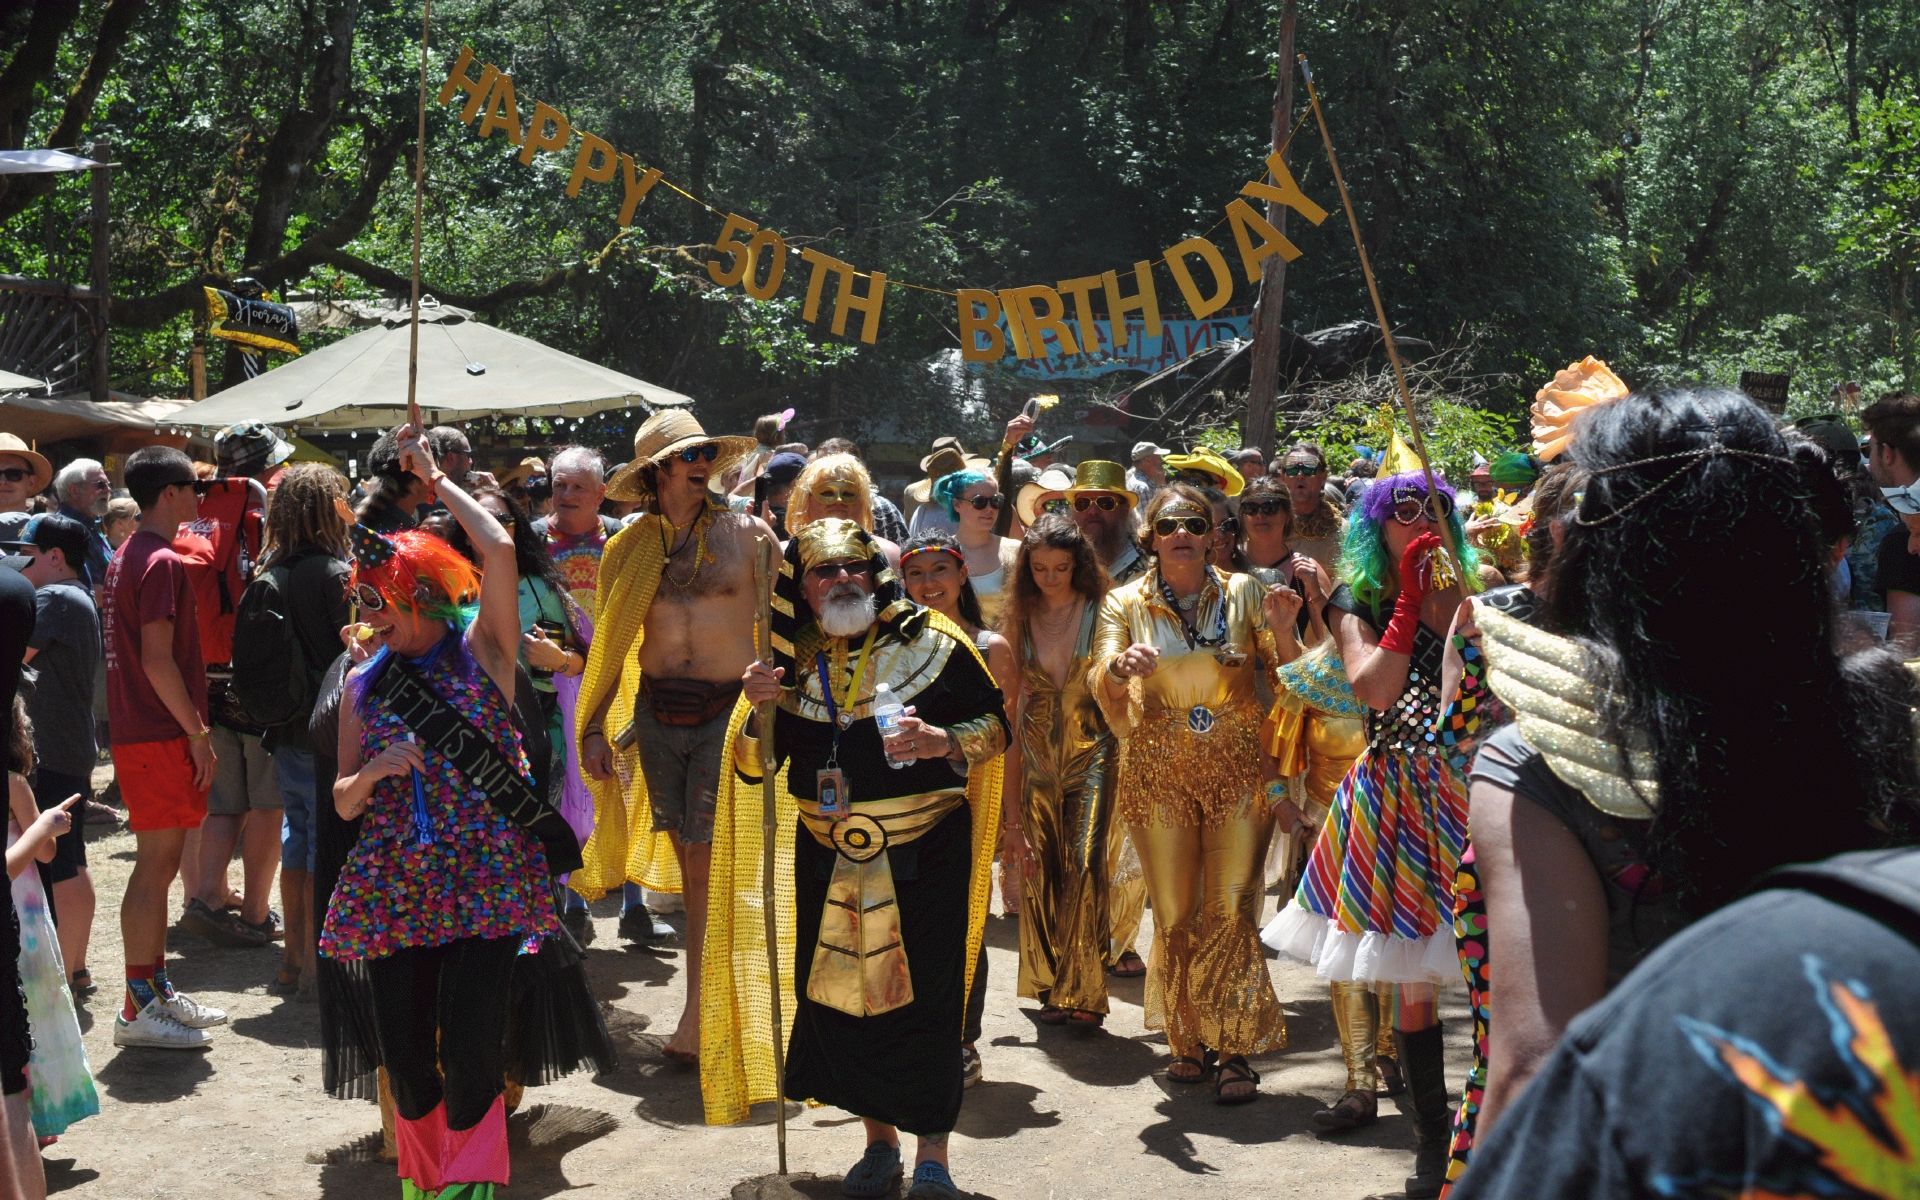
764,551
1454,560
419,191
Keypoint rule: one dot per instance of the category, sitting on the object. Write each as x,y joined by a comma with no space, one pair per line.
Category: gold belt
860,963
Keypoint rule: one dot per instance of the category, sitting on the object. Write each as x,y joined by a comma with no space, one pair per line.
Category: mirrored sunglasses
1298,469
1106,501
1056,505
709,451
1168,526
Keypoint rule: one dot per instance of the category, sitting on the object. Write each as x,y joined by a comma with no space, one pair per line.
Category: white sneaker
156,1029
190,1012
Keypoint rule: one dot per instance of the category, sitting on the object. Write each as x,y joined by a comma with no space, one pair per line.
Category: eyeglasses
1168,526
826,571
1106,501
1263,508
710,451
1298,469
1903,500
982,503
1410,506
15,474
1056,505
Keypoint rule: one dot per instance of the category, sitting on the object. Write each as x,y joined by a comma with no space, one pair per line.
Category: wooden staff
1386,332
764,551
419,190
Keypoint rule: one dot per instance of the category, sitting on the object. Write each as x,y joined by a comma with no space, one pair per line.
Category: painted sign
1178,341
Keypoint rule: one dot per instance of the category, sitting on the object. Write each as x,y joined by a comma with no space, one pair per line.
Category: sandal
1080,1018
1049,1015
1240,1073
1205,1062
875,1173
82,984
1391,1082
1351,1111
1128,966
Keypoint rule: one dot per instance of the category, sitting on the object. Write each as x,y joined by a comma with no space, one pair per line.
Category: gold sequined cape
736,996
623,845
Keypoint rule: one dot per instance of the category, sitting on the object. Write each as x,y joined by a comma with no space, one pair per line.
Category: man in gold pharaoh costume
884,846
673,625
1174,667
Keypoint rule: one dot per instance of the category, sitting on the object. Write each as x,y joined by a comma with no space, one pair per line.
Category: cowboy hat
940,446
528,468
1054,481
1206,462
666,432
945,460
42,469
1095,475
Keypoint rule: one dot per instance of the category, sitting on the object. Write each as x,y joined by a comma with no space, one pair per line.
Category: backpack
272,680
218,548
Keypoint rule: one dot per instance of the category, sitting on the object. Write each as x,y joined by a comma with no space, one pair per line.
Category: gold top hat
666,432
1054,481
1095,475
42,469
1206,462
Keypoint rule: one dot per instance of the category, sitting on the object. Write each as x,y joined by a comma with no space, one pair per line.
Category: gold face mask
832,492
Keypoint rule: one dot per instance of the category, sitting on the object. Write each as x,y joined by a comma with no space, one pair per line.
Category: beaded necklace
700,524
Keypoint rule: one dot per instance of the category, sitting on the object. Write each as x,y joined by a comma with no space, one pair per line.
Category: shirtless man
692,617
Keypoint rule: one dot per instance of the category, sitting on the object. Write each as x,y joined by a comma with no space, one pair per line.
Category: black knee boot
1424,1066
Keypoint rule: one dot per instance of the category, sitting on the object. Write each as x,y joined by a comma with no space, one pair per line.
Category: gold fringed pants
1365,1022
1126,888
1207,982
1063,908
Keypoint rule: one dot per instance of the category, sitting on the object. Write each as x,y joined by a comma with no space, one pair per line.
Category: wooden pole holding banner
1453,557
764,552
1263,382
419,191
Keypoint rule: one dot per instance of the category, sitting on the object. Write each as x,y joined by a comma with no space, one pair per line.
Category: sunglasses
1410,506
710,451
828,571
15,474
1105,501
1168,526
1903,500
1230,526
1056,505
1298,469
982,503
1263,508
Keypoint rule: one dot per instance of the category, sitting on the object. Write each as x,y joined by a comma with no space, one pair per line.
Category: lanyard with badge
830,784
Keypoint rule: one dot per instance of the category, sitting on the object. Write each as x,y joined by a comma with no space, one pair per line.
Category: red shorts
156,783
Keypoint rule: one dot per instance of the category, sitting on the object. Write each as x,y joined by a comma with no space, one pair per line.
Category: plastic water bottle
887,711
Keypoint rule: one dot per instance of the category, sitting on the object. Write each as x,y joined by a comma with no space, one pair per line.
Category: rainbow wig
951,487
1364,563
418,573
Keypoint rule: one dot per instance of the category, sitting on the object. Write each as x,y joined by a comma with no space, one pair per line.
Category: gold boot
1356,1016
1387,1060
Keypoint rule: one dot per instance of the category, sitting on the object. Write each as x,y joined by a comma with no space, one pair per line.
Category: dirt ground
1061,1115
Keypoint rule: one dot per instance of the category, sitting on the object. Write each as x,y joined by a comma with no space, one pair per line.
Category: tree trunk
1263,385
302,132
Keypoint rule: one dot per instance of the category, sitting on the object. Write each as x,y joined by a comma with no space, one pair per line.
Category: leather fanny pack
688,702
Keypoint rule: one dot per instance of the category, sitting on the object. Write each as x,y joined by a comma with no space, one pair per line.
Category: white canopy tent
467,370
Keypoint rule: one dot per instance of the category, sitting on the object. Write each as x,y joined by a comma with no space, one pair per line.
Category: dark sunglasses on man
15,474
708,451
1298,469
1410,506
982,503
826,571
1168,526
1106,501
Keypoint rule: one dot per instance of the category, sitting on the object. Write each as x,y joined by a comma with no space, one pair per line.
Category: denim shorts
682,766
295,771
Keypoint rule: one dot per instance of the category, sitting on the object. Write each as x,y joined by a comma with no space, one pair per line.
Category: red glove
1416,581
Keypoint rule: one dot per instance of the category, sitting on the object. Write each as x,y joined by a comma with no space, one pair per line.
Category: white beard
847,611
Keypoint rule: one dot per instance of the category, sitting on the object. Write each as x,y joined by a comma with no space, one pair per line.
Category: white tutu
1342,957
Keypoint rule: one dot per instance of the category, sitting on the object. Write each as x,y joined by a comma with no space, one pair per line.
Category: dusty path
1061,1115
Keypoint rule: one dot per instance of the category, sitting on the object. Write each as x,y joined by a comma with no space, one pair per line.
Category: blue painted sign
1178,341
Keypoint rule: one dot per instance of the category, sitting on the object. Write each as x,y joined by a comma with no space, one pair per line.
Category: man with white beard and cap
891,859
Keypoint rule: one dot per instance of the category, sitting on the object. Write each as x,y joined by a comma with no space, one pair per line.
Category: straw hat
42,469
528,468
1054,481
666,432
1206,462
945,460
1095,475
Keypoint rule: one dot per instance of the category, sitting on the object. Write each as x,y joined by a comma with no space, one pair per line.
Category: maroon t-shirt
147,582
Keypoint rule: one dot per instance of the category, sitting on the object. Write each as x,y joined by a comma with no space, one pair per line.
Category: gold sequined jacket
1186,678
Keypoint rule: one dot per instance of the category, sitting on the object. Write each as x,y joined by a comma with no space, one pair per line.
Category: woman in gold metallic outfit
1175,660
1067,767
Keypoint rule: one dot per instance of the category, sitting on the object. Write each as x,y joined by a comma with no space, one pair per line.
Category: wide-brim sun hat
665,433
1205,462
942,462
528,468
42,469
1053,481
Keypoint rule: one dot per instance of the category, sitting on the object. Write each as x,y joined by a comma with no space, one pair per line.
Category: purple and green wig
1364,562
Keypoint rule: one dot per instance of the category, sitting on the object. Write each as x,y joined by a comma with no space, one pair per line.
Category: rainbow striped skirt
1376,903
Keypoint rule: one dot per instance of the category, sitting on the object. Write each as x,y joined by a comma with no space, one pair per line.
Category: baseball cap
1833,436
1144,449
783,469
249,448
52,531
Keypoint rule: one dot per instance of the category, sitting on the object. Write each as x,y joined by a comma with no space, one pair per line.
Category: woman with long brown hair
1063,820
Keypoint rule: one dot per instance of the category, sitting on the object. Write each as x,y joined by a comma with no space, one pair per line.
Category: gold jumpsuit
1068,758
1192,796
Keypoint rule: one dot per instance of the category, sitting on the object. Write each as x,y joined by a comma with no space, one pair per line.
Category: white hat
1145,449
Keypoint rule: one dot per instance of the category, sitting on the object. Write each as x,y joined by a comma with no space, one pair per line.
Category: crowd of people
1569,716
